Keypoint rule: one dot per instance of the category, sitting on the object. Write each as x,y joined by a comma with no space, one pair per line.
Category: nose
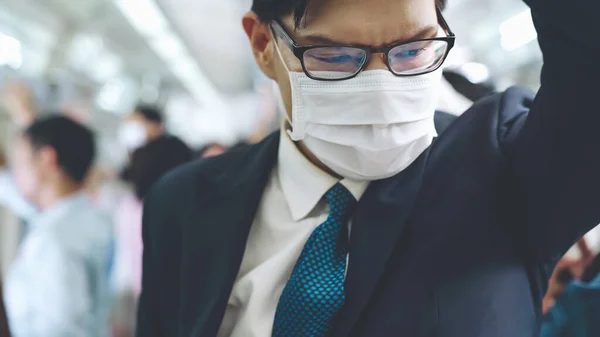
377,62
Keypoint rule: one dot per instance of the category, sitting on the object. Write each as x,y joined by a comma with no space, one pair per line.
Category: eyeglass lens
334,62
343,62
417,57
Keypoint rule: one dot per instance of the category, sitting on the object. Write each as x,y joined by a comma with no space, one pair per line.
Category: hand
559,280
566,269
18,99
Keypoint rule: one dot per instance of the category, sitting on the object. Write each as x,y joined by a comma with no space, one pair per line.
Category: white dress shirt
58,284
290,210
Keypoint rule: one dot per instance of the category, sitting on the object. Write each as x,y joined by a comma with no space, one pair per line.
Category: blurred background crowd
161,83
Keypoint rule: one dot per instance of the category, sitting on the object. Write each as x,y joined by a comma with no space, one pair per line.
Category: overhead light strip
149,21
517,31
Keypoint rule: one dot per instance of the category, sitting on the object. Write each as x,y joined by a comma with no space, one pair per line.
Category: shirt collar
303,183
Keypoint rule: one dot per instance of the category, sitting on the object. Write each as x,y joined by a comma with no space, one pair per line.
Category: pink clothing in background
129,246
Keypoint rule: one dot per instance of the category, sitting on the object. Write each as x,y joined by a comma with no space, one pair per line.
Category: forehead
364,22
135,116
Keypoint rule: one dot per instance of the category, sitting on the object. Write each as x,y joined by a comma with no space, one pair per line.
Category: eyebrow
323,39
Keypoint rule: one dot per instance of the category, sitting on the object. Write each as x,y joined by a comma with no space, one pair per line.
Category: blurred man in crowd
153,152
58,284
572,304
570,267
148,164
361,218
143,125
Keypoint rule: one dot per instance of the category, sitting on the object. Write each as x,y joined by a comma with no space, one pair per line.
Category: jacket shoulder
495,121
504,113
181,183
175,192
504,106
513,109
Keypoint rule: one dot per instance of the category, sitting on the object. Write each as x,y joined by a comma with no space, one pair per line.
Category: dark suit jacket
457,245
3,320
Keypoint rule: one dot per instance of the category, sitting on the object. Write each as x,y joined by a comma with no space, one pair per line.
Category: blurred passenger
4,332
570,267
466,88
575,307
19,100
148,164
360,218
143,125
213,150
58,285
16,99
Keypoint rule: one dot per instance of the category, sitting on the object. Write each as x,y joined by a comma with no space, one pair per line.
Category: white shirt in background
58,284
290,210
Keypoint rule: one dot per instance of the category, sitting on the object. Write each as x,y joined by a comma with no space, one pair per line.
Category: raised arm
557,155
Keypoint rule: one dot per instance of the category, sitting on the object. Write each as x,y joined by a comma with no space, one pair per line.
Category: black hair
73,143
150,113
150,162
269,10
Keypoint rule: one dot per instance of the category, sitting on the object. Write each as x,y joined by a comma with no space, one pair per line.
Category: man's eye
409,53
335,59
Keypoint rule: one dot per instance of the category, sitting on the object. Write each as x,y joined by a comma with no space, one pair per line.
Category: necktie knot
341,202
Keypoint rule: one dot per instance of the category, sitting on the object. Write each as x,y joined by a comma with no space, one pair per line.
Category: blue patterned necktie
315,291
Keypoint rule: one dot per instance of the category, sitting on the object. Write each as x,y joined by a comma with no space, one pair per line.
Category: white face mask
370,127
132,135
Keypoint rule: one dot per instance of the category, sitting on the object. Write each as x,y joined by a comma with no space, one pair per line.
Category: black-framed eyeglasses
343,62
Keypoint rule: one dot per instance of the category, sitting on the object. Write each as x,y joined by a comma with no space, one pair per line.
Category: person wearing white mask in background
143,125
153,152
360,218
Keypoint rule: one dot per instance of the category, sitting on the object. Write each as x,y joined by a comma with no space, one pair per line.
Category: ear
261,42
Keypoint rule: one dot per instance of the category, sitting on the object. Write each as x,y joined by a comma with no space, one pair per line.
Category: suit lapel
381,216
214,238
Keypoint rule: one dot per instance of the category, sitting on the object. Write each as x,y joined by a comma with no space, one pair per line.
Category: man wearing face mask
358,219
143,125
